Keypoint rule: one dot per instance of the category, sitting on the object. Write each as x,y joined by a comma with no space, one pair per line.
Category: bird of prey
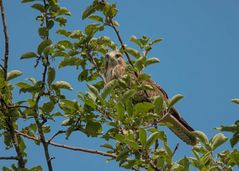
115,67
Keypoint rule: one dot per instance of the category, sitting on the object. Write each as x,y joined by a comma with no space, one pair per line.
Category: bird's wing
179,126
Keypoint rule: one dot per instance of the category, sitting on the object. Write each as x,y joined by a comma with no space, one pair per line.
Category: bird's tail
180,127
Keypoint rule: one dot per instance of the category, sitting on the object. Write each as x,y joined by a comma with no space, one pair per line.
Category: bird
115,68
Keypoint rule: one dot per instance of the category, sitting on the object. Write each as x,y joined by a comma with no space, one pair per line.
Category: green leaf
93,89
51,75
136,41
143,107
63,11
96,18
218,140
133,52
132,144
158,103
129,107
46,129
174,100
37,168
13,74
139,63
42,46
39,7
230,128
107,146
70,61
93,128
151,61
22,145
62,85
120,138
66,122
236,101
120,111
235,139
88,11
156,41
28,55
202,137
48,107
142,136
108,88
128,94
234,157
152,138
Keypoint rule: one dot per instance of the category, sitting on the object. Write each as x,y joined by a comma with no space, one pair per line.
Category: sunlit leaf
43,45
62,85
202,137
218,140
13,74
175,99
236,100
28,55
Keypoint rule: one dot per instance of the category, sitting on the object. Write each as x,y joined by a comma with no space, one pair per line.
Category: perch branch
69,147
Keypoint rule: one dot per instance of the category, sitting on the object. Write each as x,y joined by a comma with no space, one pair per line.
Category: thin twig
57,133
6,51
121,41
175,149
69,147
9,122
38,123
9,158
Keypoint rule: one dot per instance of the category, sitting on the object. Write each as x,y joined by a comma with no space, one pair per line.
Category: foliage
128,124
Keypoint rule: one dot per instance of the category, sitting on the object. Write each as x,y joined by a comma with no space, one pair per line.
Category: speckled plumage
115,67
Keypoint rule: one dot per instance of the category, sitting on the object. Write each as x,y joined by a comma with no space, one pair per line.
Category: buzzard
115,67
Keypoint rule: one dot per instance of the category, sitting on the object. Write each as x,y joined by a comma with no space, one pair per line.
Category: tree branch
6,51
9,122
57,133
38,123
121,41
9,158
69,147
175,149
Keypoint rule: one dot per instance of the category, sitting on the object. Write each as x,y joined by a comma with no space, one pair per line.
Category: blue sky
199,59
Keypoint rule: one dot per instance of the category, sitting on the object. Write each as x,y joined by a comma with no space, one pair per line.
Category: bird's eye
107,56
117,56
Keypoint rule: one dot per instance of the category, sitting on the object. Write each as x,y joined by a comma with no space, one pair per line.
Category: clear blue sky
199,59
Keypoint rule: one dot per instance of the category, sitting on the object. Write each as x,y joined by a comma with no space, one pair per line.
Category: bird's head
112,59
113,62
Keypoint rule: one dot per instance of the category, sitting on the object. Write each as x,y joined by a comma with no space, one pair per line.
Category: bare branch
9,122
57,133
6,51
9,158
70,147
175,149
